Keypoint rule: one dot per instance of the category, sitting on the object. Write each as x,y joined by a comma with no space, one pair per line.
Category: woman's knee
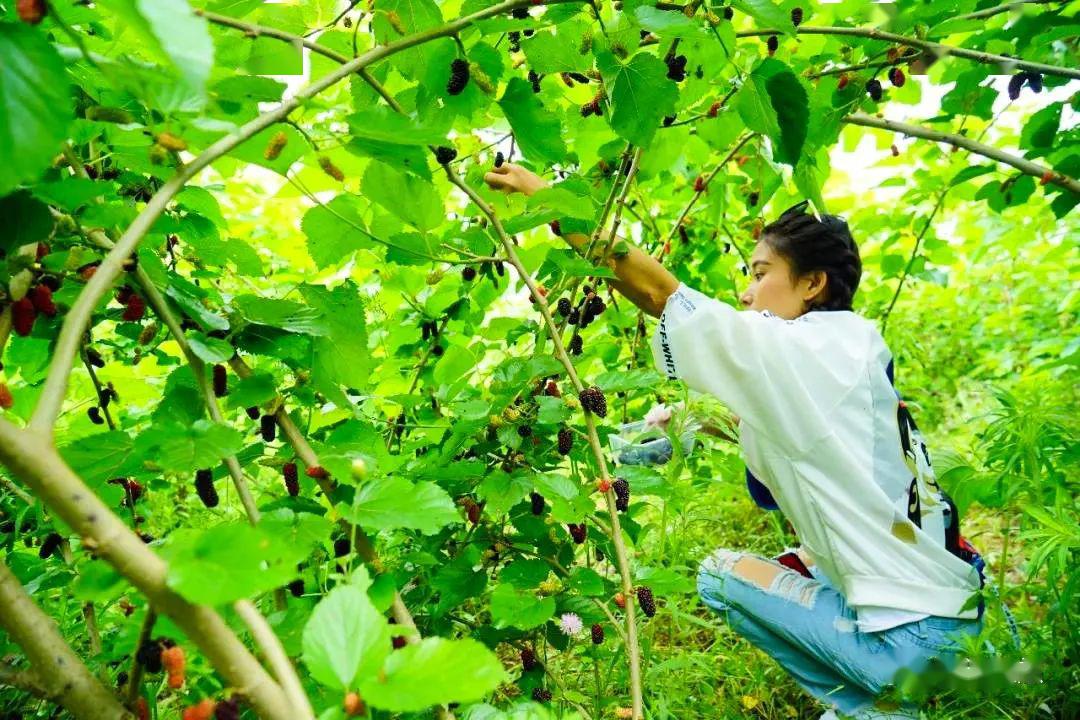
713,574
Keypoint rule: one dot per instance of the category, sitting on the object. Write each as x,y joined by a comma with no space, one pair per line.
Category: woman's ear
815,285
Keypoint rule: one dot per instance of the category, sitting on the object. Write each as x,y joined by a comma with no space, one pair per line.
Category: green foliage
325,251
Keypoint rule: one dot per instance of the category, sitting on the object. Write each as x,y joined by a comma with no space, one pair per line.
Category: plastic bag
639,444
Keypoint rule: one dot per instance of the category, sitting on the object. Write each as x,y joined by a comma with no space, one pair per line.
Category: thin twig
276,657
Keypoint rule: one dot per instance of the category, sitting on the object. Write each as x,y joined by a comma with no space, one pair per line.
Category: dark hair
810,244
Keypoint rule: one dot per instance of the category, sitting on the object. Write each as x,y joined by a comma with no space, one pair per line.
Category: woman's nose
747,298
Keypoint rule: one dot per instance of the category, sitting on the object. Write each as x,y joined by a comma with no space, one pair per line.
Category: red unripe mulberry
714,110
597,634
354,705
42,298
528,659
317,471
292,480
221,381
844,80
142,710
699,184
896,77
578,532
620,600
31,11
136,308
646,601
173,660
6,399
23,314
203,711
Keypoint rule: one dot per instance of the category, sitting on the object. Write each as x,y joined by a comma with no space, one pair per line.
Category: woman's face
773,288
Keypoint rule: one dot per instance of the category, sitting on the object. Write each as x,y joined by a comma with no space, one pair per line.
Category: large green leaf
230,562
346,638
381,124
395,502
409,197
335,230
434,671
522,609
415,15
641,94
773,101
34,104
538,131
769,14
341,356
183,448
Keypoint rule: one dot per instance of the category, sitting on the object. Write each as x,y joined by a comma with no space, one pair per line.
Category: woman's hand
511,178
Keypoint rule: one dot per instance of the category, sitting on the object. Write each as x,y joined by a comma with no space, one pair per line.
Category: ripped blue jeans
806,626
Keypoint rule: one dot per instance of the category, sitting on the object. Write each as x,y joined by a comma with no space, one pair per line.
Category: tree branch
24,680
1021,164
59,673
991,11
275,656
31,457
633,649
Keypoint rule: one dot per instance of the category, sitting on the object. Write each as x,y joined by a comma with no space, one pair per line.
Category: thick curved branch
58,673
76,321
633,649
32,457
1025,166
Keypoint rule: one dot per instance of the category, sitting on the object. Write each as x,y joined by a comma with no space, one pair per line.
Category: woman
882,580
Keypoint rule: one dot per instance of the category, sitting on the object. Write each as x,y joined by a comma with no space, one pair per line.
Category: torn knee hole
756,571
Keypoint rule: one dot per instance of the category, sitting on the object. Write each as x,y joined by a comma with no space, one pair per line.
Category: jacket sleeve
781,377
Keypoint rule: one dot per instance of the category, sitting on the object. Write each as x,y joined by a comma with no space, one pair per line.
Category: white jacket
818,427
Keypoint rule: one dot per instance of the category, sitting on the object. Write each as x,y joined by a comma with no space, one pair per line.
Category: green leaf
341,355
287,315
345,639
666,24
549,53
405,158
395,502
255,389
434,671
415,15
183,448
522,609
409,197
564,202
335,230
768,14
641,95
380,124
208,349
26,220
537,129
35,105
1040,129
100,456
230,562
773,101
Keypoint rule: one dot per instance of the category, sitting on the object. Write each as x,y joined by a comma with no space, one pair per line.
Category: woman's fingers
498,181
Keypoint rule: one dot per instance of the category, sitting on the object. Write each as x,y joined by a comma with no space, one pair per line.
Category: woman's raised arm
641,278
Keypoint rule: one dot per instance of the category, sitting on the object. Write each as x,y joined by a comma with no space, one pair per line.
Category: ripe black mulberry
525,430
268,428
729,12
646,601
541,695
94,413
773,43
515,40
149,656
221,382
534,79
341,547
229,709
593,400
597,634
574,317
596,305
528,659
292,478
622,494
874,88
752,199
1034,81
575,346
578,532
459,76
49,545
296,587
566,441
468,273
520,13
796,16
676,67
95,358
204,486
536,501
253,412
564,307
444,154
499,159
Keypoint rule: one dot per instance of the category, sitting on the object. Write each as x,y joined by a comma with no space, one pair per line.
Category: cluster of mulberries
593,400
444,154
536,502
515,40
541,695
459,76
49,545
221,383
292,478
578,532
565,441
204,486
622,494
676,67
597,634
593,107
528,659
873,87
1017,81
646,601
